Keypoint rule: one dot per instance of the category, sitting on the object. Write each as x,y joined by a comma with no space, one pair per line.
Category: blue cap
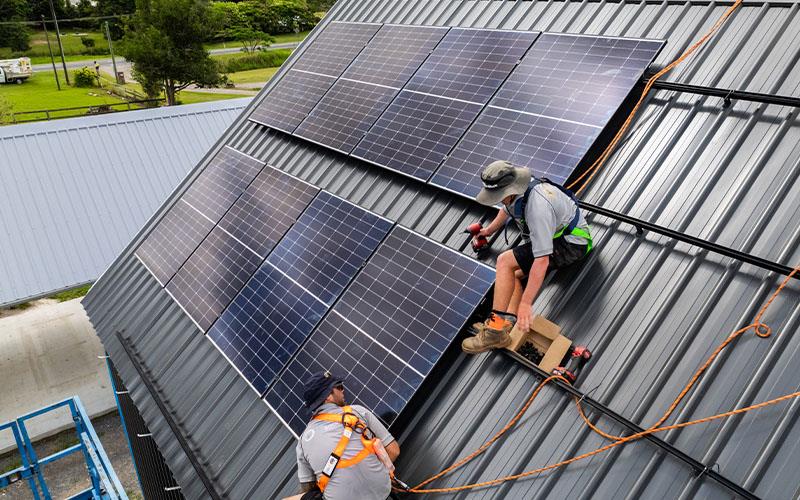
318,387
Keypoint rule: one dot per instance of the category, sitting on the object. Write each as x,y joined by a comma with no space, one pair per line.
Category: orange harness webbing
351,422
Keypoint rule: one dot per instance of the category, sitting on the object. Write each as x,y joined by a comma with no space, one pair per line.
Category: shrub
265,59
87,42
84,77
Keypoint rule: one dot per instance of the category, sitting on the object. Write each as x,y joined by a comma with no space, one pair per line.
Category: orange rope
592,170
760,329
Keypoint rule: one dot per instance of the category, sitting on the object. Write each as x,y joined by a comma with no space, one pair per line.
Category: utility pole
50,49
60,45
111,50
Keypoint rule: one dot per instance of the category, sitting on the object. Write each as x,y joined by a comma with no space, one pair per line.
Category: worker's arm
304,487
393,450
535,280
497,224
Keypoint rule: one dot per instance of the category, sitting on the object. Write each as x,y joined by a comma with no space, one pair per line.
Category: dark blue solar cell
389,328
212,276
470,64
291,100
264,326
336,47
328,245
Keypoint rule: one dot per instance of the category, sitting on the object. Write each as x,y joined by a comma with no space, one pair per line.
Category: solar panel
345,114
336,47
208,281
274,314
416,132
356,100
290,101
173,240
394,54
576,77
389,328
470,64
266,210
550,148
551,109
222,182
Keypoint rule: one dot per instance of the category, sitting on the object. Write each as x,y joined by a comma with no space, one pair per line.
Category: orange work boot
493,335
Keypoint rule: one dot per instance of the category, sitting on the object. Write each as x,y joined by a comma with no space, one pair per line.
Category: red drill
480,244
573,362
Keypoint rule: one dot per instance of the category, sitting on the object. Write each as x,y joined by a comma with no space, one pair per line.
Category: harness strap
351,422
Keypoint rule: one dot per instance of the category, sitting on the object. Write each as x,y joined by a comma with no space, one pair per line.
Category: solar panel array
277,310
551,109
389,327
536,100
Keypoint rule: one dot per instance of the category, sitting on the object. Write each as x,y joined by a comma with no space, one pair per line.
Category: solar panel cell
335,47
266,210
213,275
416,132
394,54
173,240
345,114
550,148
578,78
471,64
222,182
290,101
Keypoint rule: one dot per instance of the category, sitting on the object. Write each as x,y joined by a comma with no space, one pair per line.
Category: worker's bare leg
506,282
518,289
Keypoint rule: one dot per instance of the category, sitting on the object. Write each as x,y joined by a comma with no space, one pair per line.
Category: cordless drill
480,244
573,362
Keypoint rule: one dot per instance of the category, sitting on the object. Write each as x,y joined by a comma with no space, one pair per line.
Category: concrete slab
48,353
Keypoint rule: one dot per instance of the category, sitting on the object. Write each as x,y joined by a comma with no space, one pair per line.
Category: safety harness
517,213
352,423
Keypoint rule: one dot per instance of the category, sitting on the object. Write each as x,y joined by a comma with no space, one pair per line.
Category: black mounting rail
642,225
698,468
729,94
201,473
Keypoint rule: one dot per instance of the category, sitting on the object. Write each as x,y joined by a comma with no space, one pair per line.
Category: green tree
250,38
164,43
116,27
17,35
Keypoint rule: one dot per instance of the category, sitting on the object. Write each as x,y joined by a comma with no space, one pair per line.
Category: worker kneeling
555,235
345,451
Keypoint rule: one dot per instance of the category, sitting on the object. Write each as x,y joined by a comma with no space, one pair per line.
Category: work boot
494,334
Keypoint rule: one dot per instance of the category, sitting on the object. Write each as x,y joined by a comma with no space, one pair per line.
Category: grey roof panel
76,190
650,309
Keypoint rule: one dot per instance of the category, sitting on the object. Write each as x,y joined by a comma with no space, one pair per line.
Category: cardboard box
547,338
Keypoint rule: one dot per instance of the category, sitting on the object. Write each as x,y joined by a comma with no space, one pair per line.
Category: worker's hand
485,232
524,317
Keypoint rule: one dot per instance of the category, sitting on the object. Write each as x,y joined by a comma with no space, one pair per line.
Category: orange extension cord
760,329
592,171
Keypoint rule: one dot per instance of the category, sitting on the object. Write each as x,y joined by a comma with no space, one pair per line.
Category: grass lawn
189,97
40,92
73,47
252,76
285,38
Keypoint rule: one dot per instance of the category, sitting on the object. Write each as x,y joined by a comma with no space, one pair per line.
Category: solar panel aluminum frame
261,394
400,417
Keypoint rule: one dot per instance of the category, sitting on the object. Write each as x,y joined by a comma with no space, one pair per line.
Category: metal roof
76,191
650,309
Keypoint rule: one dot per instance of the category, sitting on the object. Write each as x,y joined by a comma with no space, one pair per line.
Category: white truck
15,70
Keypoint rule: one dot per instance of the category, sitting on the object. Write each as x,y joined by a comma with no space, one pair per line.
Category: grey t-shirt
367,479
548,211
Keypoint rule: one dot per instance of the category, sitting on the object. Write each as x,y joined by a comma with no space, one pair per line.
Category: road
123,65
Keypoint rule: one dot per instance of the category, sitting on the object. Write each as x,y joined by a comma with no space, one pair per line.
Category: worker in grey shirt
359,473
555,235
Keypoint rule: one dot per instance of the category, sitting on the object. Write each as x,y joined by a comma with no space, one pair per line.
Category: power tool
573,362
480,244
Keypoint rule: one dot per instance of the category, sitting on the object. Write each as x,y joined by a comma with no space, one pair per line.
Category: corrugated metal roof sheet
650,309
76,191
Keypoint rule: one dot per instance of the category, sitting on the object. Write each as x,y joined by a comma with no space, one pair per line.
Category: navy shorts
564,254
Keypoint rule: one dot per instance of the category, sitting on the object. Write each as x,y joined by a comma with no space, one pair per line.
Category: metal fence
50,114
